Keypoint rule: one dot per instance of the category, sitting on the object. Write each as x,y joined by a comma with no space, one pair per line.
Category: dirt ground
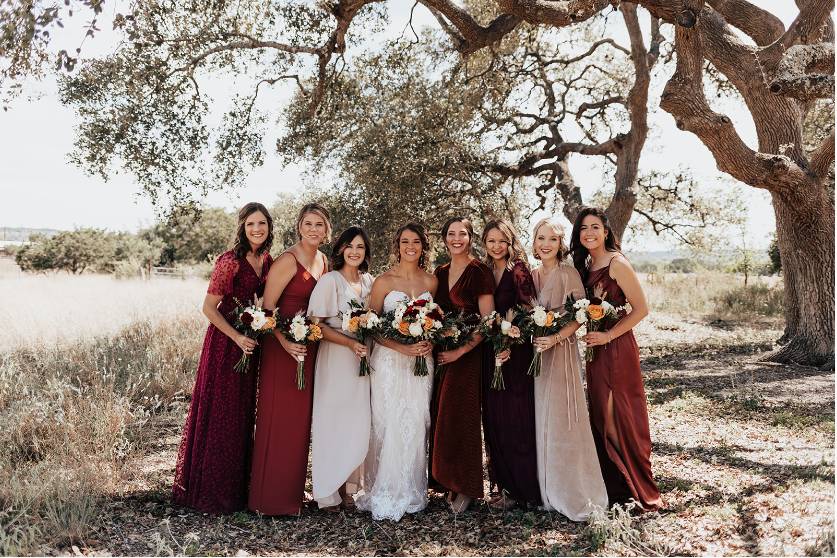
743,452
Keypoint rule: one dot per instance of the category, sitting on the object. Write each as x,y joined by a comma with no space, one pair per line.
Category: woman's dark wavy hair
337,259
425,243
580,253
465,223
240,243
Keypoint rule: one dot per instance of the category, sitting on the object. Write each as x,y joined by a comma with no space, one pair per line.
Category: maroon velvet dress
509,415
455,440
615,370
283,414
213,464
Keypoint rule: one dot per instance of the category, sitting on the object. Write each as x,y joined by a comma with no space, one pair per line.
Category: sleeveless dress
213,463
342,418
509,415
615,370
395,470
455,437
568,473
283,414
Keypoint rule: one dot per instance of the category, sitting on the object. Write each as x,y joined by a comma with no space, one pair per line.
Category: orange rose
269,324
428,324
353,324
404,328
315,333
595,312
550,317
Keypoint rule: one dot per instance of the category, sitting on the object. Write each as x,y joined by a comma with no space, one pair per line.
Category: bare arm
280,274
331,335
210,310
625,276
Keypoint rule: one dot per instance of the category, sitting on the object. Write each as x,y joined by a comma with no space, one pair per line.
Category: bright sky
40,188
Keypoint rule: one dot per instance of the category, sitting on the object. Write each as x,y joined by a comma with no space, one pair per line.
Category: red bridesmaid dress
283,414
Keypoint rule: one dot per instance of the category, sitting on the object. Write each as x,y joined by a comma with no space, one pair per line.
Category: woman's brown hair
425,243
469,227
240,243
516,251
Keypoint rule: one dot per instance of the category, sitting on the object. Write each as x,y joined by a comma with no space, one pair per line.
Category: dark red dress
455,440
615,370
213,464
283,415
509,415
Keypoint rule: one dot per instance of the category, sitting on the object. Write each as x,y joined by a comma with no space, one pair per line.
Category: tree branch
473,35
823,157
759,24
805,72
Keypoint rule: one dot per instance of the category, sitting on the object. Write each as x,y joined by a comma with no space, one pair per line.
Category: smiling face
312,229
497,245
409,247
256,229
593,233
355,252
458,239
547,244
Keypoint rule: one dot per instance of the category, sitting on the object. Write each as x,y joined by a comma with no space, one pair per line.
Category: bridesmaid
283,413
465,284
213,464
569,478
616,393
342,418
509,415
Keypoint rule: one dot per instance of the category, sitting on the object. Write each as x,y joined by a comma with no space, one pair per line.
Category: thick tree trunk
805,233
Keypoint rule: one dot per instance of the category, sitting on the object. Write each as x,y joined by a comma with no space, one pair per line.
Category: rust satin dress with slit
615,370
283,414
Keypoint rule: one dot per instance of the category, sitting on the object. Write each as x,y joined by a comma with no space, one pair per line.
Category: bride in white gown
395,471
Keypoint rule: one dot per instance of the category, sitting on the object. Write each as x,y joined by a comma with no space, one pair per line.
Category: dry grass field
95,375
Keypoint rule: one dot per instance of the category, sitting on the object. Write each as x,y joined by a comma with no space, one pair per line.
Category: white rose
539,316
607,307
372,320
259,319
415,329
299,331
581,317
583,303
395,323
346,319
505,326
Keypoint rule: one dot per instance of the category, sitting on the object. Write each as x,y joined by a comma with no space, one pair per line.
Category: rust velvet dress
455,440
509,415
615,370
283,414
213,463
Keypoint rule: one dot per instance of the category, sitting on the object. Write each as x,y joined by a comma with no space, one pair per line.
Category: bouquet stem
535,365
300,374
243,364
420,368
497,380
365,369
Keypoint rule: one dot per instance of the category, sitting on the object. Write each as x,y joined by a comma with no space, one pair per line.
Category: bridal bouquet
252,321
594,313
412,322
362,323
502,334
303,330
538,322
457,330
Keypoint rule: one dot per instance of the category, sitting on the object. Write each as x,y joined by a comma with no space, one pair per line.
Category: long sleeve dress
615,371
568,473
213,463
455,440
342,417
509,415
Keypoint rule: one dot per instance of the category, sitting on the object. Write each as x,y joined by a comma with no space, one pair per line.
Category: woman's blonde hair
316,209
516,251
558,229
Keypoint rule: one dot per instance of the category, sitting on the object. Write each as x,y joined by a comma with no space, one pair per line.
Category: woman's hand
420,349
595,338
296,350
359,349
503,356
545,343
246,344
446,357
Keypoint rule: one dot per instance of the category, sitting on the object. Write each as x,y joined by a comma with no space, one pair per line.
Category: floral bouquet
593,313
412,322
457,330
304,330
252,321
362,323
538,322
502,334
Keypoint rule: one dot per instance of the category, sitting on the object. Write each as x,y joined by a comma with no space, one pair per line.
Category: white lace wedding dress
395,471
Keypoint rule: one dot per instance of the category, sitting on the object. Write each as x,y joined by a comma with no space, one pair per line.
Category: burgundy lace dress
213,464
508,415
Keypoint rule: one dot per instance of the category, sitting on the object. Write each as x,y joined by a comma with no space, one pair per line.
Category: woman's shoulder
227,257
620,263
481,266
444,268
